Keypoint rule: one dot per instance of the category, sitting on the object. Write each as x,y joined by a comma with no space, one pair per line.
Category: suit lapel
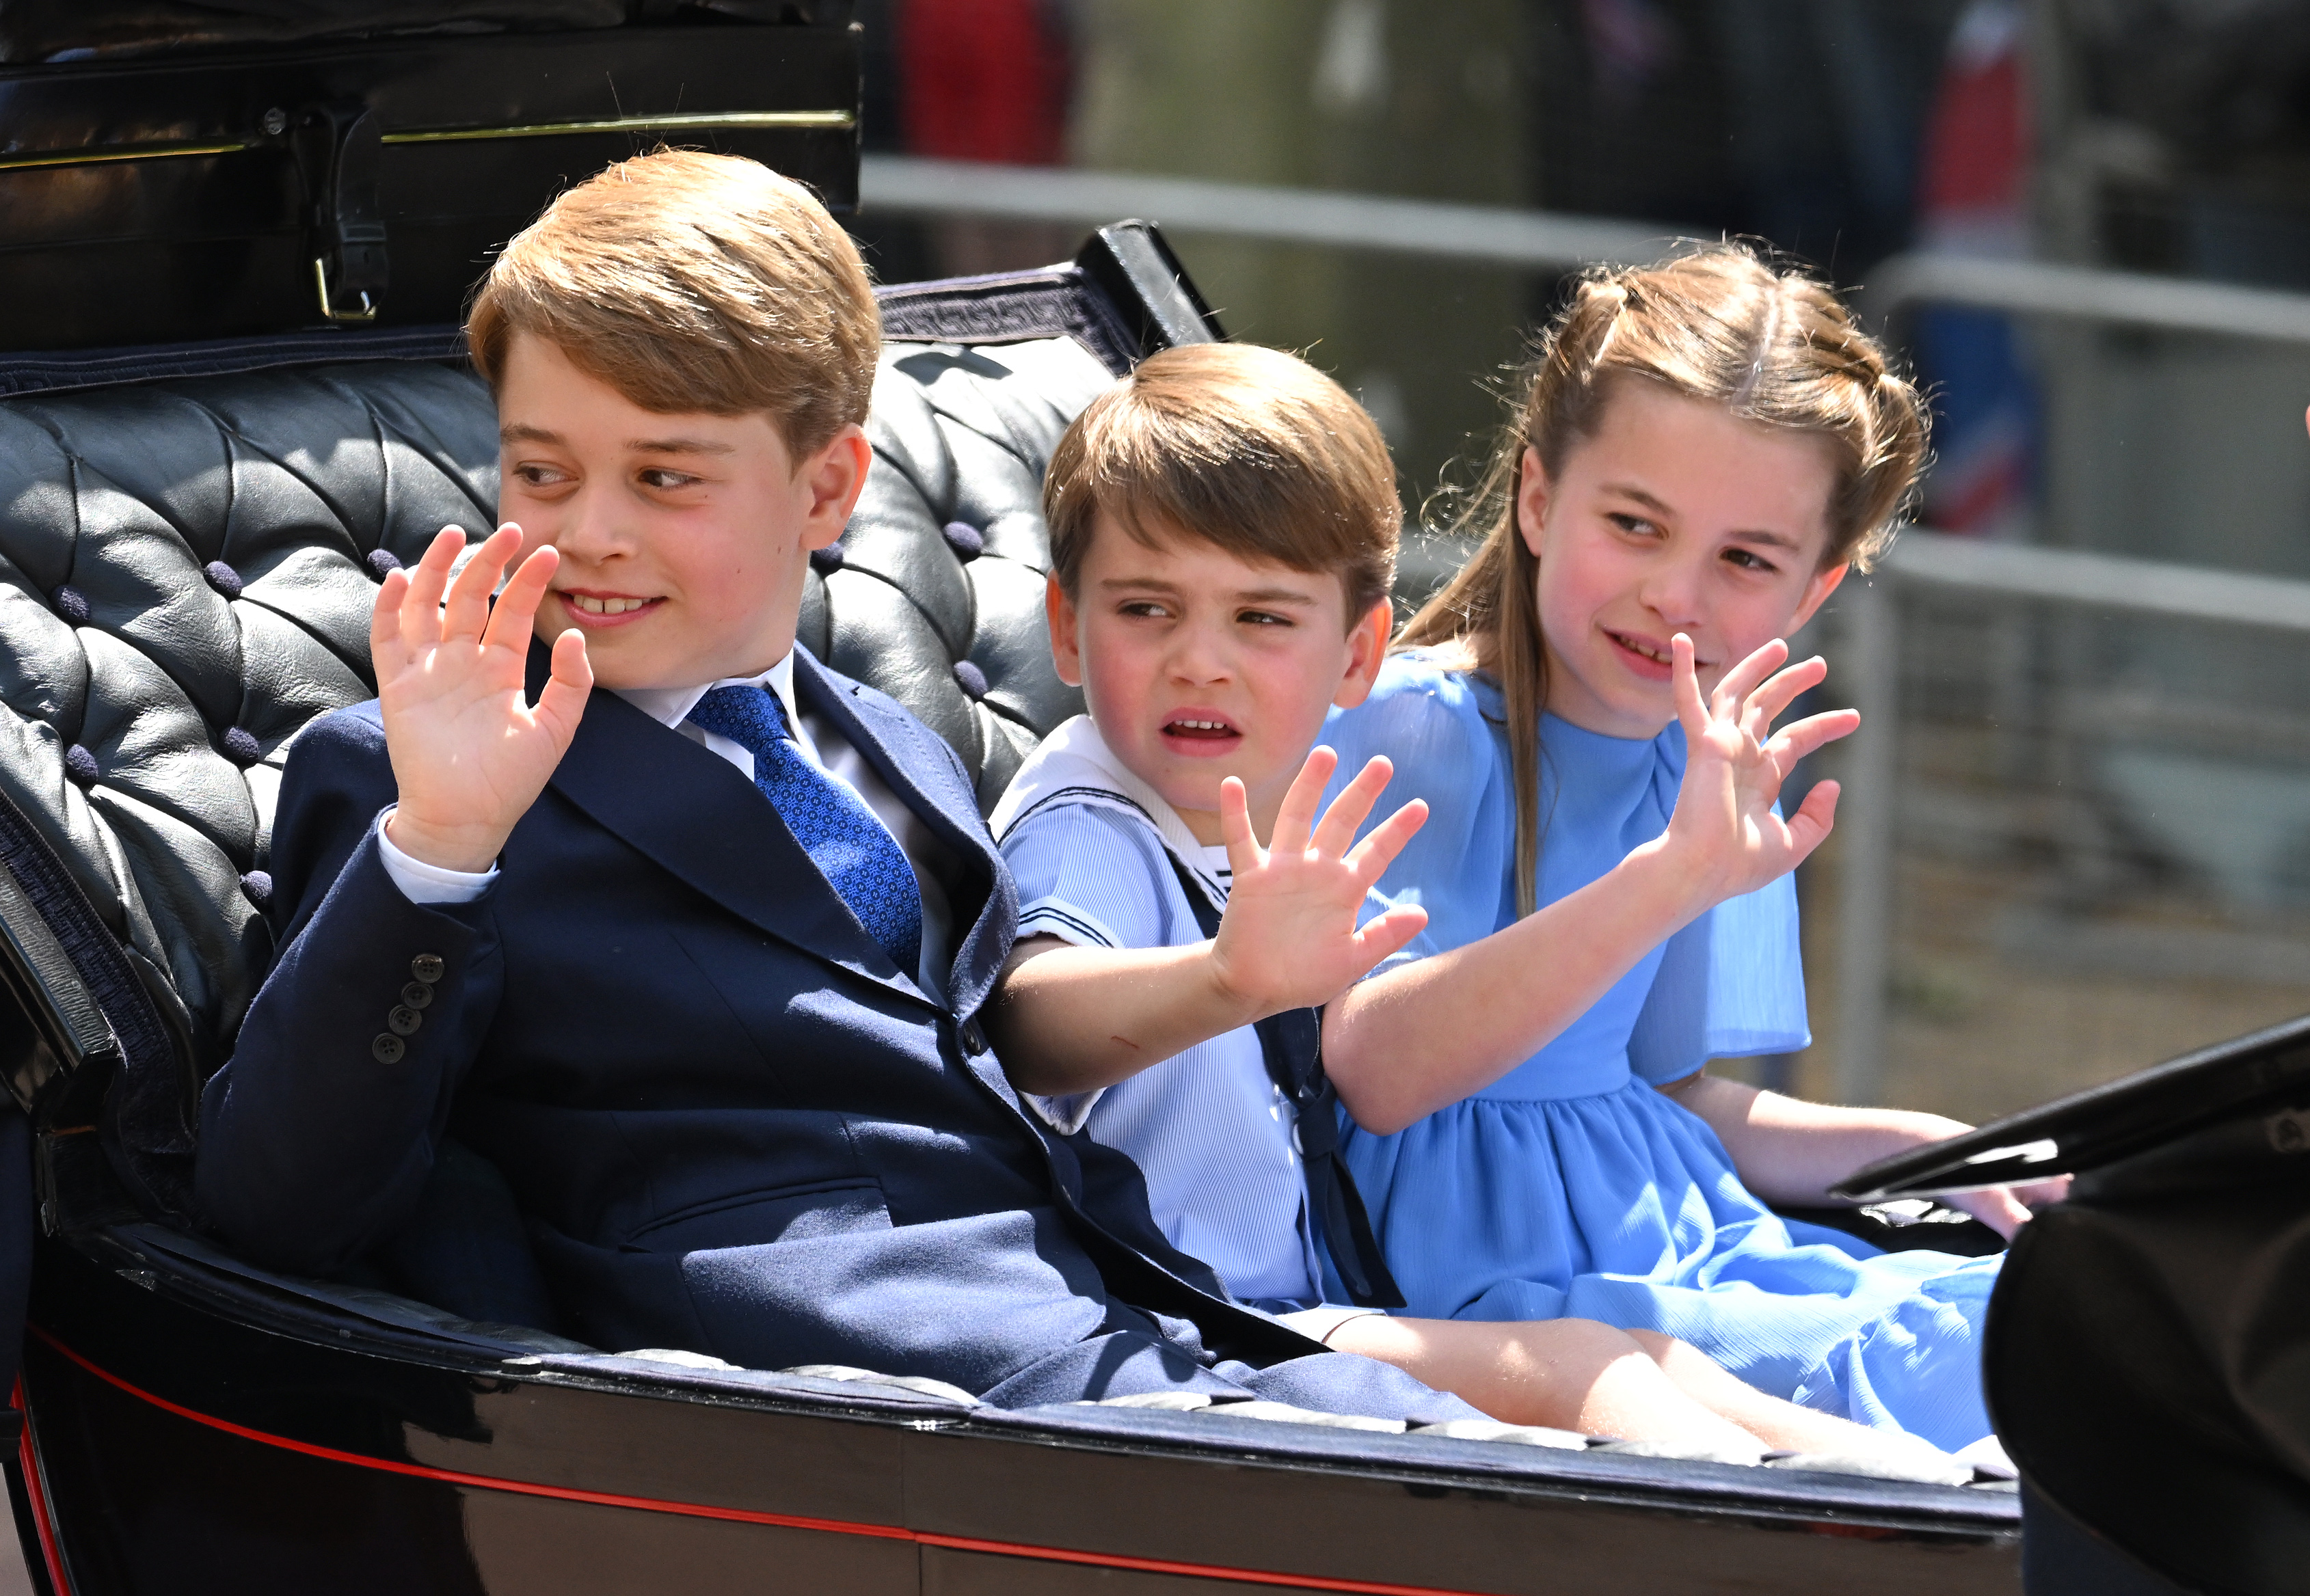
918,767
693,813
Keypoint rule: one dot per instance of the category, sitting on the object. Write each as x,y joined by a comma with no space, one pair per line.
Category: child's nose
1200,654
591,529
1673,592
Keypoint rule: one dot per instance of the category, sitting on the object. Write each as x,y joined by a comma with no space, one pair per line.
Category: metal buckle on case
368,312
337,147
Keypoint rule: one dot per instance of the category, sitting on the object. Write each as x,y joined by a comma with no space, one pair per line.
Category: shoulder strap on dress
1292,1045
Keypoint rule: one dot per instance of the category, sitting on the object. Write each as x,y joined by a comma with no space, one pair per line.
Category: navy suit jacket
732,1125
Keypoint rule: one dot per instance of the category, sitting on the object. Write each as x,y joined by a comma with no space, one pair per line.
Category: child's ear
1816,594
836,476
1532,490
1367,652
1066,648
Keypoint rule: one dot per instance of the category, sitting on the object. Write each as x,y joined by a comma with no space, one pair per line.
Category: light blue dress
1570,1187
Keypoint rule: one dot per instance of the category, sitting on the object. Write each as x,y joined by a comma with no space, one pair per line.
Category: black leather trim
60,371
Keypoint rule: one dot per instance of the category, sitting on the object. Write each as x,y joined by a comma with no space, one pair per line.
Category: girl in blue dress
1705,449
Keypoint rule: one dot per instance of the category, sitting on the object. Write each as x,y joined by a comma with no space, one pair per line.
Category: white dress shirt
822,742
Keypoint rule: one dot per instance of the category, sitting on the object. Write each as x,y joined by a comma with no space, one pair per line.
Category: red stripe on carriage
28,1459
1008,1548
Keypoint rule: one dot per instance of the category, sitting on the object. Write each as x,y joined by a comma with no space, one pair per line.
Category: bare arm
1069,1019
1790,1152
1407,1042
1419,1038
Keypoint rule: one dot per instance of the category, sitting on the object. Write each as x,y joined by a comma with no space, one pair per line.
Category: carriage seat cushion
187,569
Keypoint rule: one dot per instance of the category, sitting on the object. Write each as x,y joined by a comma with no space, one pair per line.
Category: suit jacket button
404,1020
417,995
427,967
388,1048
974,1040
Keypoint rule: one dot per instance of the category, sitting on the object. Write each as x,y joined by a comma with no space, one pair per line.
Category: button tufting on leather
222,578
322,470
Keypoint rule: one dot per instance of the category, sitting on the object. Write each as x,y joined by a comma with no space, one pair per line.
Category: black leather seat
187,569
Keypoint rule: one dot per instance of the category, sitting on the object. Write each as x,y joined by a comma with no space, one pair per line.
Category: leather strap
1291,1044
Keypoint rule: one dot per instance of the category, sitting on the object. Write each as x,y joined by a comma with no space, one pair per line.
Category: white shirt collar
1074,764
671,705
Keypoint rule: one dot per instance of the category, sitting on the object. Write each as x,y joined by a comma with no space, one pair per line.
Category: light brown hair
1773,347
1251,450
693,282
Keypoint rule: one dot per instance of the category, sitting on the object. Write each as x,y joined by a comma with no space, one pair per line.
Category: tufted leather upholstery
937,595
187,569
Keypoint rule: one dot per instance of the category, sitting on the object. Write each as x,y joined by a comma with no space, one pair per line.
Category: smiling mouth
1650,653
605,606
1642,649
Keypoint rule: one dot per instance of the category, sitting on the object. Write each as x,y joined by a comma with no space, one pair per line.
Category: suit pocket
753,1219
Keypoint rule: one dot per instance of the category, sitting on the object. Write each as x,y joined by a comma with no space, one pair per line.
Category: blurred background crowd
2085,844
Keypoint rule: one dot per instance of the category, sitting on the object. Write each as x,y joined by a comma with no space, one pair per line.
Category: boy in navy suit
684,932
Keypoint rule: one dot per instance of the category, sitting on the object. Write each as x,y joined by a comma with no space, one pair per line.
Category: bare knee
1580,1340
1657,1347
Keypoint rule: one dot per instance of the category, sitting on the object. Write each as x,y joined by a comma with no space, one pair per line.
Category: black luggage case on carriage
173,171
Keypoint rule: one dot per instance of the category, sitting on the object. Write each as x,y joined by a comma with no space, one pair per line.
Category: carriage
238,401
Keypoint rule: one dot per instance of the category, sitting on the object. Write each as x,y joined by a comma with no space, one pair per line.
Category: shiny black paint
151,1502
187,246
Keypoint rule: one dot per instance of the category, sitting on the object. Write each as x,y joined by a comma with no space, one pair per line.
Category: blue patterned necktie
850,847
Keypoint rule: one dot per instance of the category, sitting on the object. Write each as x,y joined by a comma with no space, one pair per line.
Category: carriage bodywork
189,535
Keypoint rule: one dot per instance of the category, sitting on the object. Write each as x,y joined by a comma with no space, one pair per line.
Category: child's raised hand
1725,827
470,754
1289,938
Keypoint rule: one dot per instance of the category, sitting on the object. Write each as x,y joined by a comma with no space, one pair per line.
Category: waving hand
1725,826
470,753
1289,938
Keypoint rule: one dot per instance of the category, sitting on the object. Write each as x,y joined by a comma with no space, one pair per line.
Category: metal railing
1868,613
906,185
1870,664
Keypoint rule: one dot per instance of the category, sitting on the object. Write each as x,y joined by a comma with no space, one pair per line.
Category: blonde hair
1251,450
1773,347
693,282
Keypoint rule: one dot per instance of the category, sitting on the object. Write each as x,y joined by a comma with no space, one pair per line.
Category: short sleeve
1089,876
1429,723
1731,984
